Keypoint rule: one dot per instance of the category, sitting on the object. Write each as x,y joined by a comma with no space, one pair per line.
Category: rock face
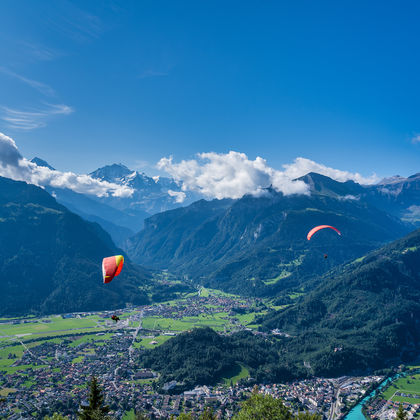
50,258
151,195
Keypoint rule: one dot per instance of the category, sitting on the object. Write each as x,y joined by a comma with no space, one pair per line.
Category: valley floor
46,363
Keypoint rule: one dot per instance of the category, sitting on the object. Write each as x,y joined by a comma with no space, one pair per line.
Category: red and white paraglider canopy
111,267
316,228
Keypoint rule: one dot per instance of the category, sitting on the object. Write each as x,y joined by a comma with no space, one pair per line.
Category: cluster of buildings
387,410
54,375
195,306
59,374
379,408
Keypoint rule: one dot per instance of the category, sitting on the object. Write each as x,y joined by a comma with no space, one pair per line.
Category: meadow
146,342
235,375
217,321
407,385
25,329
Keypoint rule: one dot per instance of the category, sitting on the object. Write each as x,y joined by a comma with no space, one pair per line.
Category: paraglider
317,228
115,318
111,267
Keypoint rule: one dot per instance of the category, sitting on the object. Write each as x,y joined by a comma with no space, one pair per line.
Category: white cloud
348,197
179,195
413,212
416,139
29,120
39,52
9,154
39,86
77,24
13,165
232,175
301,166
229,175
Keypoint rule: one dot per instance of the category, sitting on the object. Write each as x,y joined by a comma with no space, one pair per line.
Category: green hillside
364,314
257,245
50,258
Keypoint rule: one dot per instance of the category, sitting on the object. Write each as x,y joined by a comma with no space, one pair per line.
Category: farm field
407,385
217,321
46,325
19,335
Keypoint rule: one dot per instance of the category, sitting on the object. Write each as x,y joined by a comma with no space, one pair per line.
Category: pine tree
95,410
208,414
401,414
185,416
263,407
56,416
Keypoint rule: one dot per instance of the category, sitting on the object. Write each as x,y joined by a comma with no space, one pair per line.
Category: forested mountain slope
363,314
50,258
258,245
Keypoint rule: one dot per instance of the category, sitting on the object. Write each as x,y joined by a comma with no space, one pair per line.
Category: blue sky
84,84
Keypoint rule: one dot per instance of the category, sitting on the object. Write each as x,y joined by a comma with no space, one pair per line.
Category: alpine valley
249,299
257,245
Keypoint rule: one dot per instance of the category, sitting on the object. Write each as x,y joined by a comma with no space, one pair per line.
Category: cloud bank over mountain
212,175
301,166
13,165
231,175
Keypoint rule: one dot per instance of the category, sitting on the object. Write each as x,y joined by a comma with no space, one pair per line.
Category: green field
406,399
296,295
129,415
248,319
57,334
17,350
4,392
47,329
78,359
145,342
278,307
12,369
54,325
284,274
206,292
408,385
236,375
215,321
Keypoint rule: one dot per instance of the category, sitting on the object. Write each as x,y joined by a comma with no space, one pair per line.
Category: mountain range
362,318
252,245
121,217
258,245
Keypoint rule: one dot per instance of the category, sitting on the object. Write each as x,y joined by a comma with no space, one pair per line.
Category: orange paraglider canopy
316,228
111,267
